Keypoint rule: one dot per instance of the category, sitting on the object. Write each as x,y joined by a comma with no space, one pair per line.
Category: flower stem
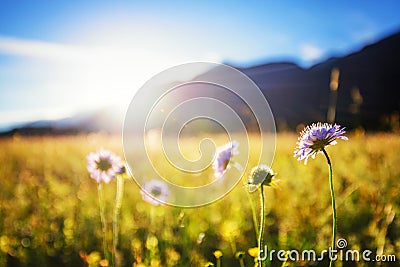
152,217
241,263
237,166
261,232
103,219
253,211
117,209
333,204
233,244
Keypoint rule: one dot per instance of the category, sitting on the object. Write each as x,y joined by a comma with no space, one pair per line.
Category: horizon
59,59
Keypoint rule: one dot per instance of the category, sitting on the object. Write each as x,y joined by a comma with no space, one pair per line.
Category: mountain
108,120
368,94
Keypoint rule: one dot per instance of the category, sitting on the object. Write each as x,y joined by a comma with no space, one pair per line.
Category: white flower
155,192
260,175
103,165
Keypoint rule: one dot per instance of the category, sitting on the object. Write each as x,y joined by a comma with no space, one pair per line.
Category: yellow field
50,215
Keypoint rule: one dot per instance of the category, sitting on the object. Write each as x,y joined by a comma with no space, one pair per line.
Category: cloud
362,27
71,77
310,52
212,56
40,49
43,77
364,36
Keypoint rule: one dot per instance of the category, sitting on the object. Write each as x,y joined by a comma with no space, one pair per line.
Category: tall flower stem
253,211
152,218
262,219
118,202
103,219
333,203
233,244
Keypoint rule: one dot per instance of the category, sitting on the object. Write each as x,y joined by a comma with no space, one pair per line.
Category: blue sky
61,57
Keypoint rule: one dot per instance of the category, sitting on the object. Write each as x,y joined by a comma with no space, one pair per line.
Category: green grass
50,216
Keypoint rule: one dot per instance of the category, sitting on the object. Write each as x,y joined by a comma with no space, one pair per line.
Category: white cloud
72,77
362,27
364,36
310,52
39,49
212,56
50,76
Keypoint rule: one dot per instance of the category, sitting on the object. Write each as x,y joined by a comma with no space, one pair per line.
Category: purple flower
103,165
315,137
223,156
155,192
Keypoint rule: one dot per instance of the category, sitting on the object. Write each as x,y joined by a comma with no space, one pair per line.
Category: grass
50,217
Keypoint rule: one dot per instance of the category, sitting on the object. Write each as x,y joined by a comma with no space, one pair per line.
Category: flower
223,156
155,192
253,252
200,238
260,175
103,165
314,138
217,254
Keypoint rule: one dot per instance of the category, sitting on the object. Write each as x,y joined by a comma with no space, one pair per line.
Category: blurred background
69,69
70,66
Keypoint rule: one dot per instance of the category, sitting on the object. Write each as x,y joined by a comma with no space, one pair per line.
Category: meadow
50,215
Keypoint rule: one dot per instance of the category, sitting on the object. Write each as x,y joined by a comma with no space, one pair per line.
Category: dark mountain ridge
368,94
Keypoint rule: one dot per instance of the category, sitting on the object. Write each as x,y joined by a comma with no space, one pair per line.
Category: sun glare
93,70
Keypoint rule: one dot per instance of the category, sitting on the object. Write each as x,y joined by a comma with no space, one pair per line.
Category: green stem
117,209
333,204
253,211
103,218
237,166
241,263
262,218
233,244
219,262
152,218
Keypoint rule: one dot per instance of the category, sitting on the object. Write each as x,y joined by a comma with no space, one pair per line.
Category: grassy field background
50,216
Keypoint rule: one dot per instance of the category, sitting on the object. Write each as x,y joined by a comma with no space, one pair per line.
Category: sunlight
81,77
